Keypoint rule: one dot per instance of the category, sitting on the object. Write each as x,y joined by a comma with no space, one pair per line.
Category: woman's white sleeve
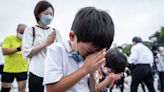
58,36
27,42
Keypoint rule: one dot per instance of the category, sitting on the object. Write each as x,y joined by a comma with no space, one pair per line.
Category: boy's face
107,69
84,48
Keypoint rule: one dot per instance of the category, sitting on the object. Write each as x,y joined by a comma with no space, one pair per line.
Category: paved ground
127,86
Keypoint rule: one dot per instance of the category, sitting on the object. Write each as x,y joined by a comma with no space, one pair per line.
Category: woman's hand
50,39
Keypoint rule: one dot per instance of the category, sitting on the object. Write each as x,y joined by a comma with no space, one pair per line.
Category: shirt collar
67,46
42,27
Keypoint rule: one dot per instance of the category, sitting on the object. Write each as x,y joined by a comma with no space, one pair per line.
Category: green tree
159,35
148,44
126,48
160,39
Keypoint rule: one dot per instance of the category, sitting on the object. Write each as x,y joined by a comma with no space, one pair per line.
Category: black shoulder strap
33,34
55,32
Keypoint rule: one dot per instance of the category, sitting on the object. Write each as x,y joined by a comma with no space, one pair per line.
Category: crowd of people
84,63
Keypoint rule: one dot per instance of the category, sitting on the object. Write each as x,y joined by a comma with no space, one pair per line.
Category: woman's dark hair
40,7
95,26
116,61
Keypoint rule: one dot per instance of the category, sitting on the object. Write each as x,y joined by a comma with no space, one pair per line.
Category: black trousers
142,73
143,87
35,83
161,78
1,69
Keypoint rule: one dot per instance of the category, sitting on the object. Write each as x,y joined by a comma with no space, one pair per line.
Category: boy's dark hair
116,61
40,7
137,39
95,26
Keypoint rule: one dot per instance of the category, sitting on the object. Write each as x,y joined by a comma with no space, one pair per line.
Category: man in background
1,60
142,58
160,67
15,66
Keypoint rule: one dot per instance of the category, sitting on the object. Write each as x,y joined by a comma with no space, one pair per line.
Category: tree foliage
126,48
159,35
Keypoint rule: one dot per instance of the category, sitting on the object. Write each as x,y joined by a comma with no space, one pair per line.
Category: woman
35,41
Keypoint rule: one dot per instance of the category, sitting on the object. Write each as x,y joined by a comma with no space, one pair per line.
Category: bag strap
33,34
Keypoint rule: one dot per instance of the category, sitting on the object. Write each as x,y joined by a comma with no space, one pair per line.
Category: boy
113,70
70,65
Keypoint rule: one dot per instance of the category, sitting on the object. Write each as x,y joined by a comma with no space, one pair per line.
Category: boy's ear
71,35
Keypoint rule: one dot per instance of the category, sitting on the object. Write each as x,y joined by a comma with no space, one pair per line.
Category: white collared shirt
36,62
140,54
59,63
160,62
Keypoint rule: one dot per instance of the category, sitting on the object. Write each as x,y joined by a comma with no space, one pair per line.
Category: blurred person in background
15,66
160,67
142,58
1,60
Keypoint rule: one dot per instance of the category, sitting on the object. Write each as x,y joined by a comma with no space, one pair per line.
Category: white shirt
160,62
140,54
59,63
1,57
36,62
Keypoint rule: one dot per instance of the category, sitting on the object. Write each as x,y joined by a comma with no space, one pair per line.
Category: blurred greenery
126,48
159,35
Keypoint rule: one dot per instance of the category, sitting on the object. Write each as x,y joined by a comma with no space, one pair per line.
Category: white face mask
46,19
76,54
20,36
